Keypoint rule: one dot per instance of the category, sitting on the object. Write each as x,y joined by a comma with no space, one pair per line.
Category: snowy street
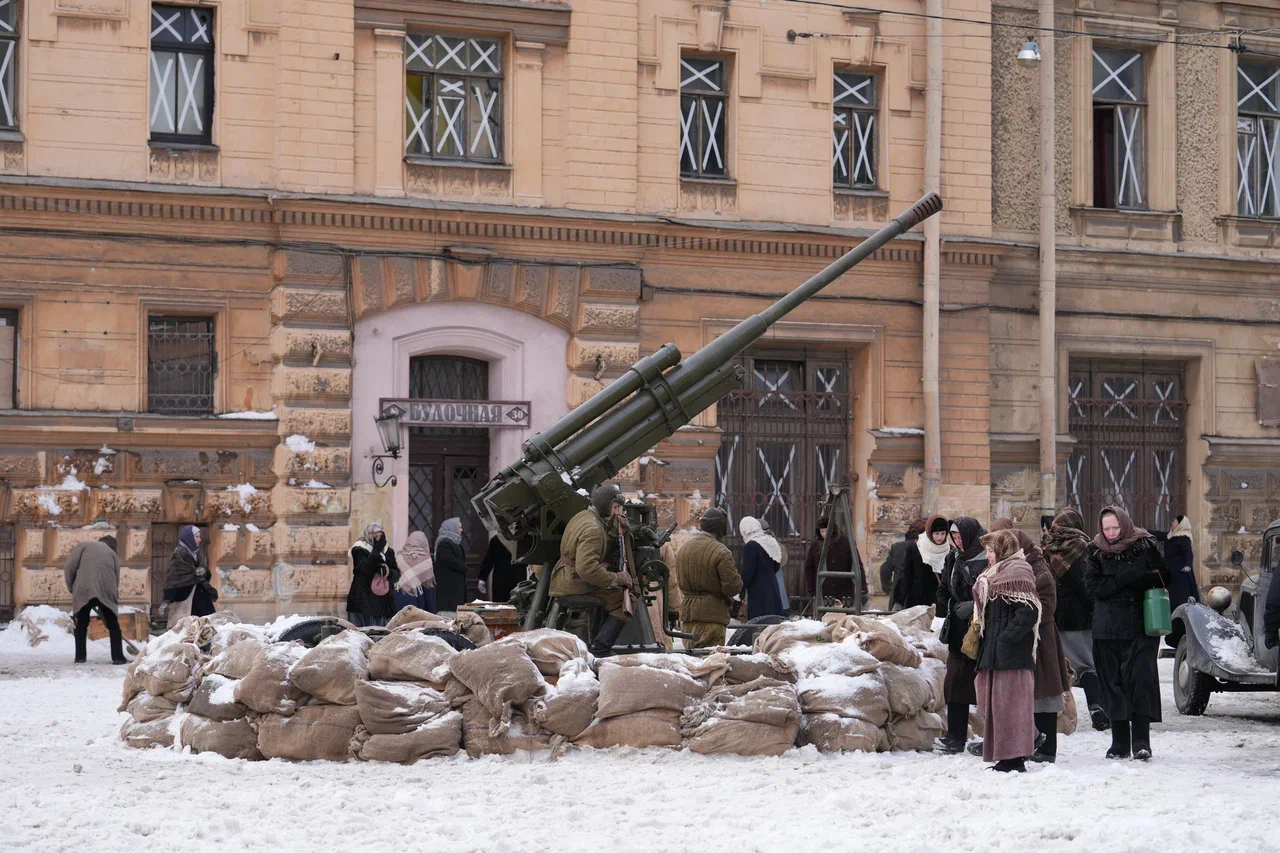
70,784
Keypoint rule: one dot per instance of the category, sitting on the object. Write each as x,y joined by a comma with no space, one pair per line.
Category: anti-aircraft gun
532,500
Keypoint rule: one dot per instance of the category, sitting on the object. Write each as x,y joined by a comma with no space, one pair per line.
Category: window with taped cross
181,72
453,97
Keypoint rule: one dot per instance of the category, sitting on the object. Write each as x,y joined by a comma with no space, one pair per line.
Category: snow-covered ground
68,784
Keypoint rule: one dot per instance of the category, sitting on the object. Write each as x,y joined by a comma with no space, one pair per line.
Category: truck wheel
747,636
1191,688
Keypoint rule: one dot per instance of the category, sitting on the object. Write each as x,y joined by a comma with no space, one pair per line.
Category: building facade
271,216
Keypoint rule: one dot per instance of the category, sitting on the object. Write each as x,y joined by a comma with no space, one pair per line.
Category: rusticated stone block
67,508
188,464
563,295
46,586
295,581
183,499
117,504
581,389
19,465
31,544
295,343
225,505
65,540
137,544
312,383
291,502
614,281
224,543
499,282
324,265
243,582
310,544
135,586
316,423
613,355
331,461
259,545
533,286
682,476
369,273
310,304
608,317
403,272
434,284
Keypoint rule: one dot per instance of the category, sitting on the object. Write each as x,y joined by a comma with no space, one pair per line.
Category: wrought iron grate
181,365
7,556
421,495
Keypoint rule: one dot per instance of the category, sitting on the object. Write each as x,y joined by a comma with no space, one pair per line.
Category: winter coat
955,597
365,563
582,569
708,580
1051,663
92,571
185,570
760,582
1008,636
891,570
451,575
505,575
839,559
1074,606
918,584
1117,583
1180,557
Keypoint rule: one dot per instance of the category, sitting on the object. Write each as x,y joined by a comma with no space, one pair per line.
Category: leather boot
1093,697
1141,738
952,743
1011,765
1120,742
602,645
1047,746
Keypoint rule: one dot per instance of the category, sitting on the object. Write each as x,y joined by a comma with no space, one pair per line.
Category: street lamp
389,432
1029,56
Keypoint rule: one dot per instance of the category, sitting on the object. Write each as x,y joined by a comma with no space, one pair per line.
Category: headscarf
971,532
370,531
1002,523
450,531
714,521
1130,534
416,569
752,531
604,497
187,539
933,555
1182,528
1066,542
1009,579
917,527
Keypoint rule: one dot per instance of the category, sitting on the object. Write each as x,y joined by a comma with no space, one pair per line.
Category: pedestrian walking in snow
761,570
708,581
1123,565
926,557
374,573
450,567
417,584
895,563
92,573
1067,547
1180,557
187,588
1007,610
955,605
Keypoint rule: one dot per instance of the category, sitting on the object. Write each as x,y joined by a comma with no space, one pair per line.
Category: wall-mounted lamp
389,432
1029,56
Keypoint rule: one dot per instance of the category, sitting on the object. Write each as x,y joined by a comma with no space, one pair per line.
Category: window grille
181,365
853,130
703,107
453,97
181,74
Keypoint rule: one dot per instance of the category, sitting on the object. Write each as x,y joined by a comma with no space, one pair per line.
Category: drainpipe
1048,270
932,247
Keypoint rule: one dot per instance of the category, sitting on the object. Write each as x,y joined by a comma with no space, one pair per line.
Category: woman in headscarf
955,606
1124,564
840,555
895,563
188,578
1067,547
1007,610
761,562
417,584
1181,560
450,567
925,559
374,572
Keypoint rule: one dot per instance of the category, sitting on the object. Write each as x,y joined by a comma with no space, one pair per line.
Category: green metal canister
1156,615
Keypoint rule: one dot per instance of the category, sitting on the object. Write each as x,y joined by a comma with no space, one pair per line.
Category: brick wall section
966,119
964,375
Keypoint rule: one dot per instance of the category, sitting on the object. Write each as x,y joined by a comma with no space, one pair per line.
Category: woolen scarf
416,569
371,531
450,531
934,555
1182,528
1066,542
1010,580
187,539
752,531
1130,534
971,532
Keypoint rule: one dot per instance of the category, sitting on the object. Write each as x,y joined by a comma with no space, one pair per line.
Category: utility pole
1048,269
932,256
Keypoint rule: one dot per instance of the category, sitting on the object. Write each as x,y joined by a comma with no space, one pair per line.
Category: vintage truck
1221,649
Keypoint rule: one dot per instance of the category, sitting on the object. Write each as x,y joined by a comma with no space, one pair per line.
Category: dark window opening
8,359
703,118
181,365
181,74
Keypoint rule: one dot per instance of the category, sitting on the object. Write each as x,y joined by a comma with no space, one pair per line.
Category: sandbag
931,647
236,660
456,692
331,671
918,619
746,668
935,672
414,615
478,726
764,700
549,649
397,707
471,626
234,634
500,676
742,737
146,735
909,691
834,733
314,733
843,658
641,730
916,732
708,669
221,618
776,639
629,689
267,688
569,706
1068,717
863,697
132,684
146,708
228,738
409,657
215,699
436,738
173,672
882,640
977,722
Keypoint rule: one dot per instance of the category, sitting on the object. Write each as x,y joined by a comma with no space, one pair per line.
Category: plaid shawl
1066,541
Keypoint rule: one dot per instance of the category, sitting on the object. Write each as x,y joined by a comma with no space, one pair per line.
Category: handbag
380,585
972,640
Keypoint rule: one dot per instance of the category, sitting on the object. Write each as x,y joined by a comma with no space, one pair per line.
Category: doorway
448,466
7,573
164,538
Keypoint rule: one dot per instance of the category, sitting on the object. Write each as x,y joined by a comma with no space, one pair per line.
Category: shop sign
494,414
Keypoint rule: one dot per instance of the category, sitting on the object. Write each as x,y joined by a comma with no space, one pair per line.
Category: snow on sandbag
215,699
549,649
846,658
908,689
439,737
628,689
228,738
935,672
173,672
478,726
159,733
1068,717
471,626
235,634
455,692
221,618
132,684
776,639
882,640
196,630
931,647
747,668
708,670
741,737
569,706
914,620
641,730
146,708
397,707
267,688
314,733
864,697
236,660
917,732
412,616
833,733
409,657
758,718
331,671
500,676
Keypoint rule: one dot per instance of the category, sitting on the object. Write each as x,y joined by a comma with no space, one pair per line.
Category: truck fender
1206,632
